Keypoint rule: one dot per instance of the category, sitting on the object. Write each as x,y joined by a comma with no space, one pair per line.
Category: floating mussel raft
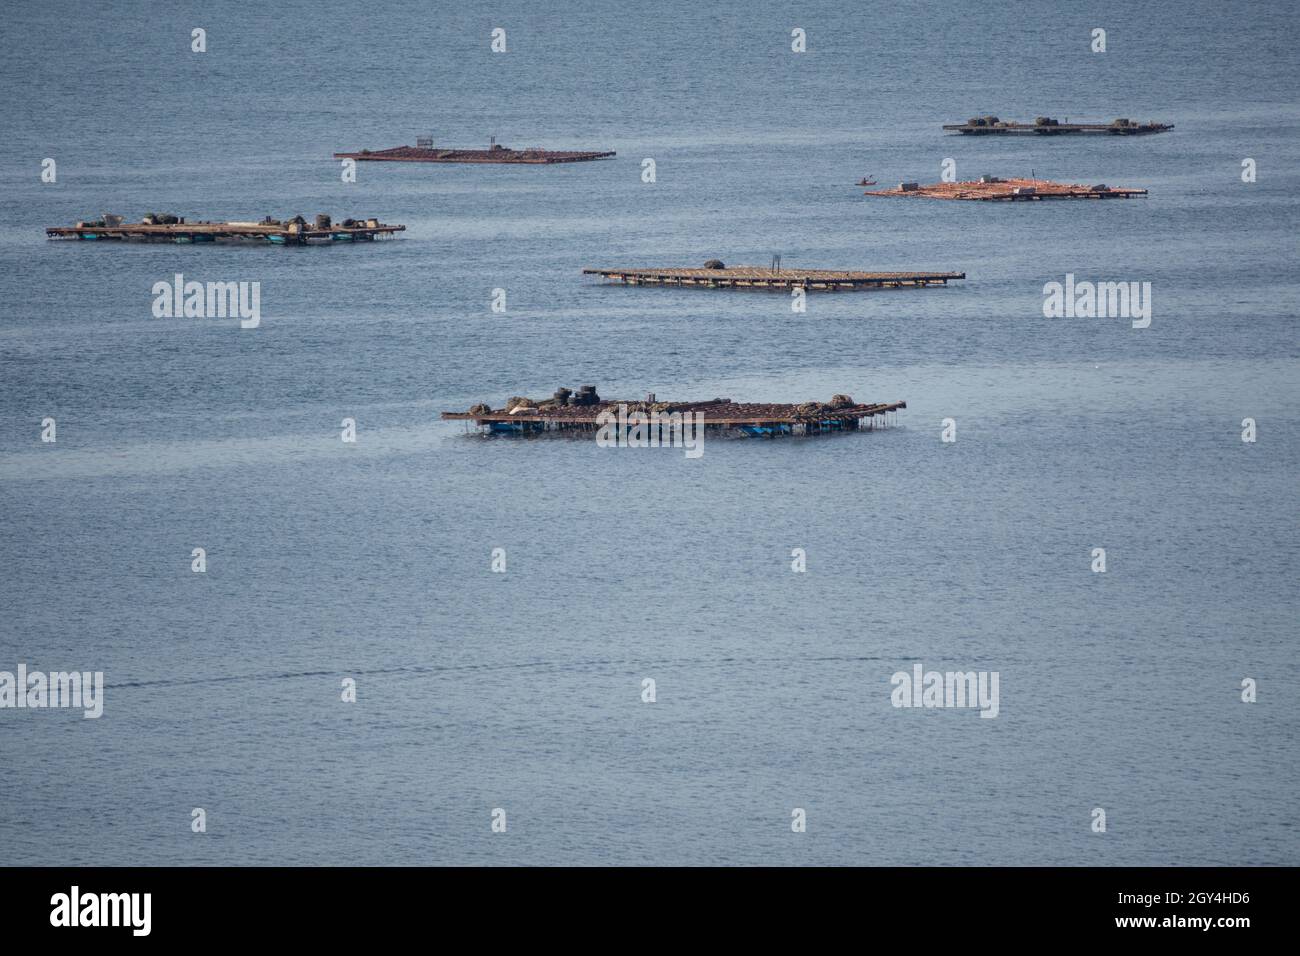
424,151
164,227
1047,126
777,278
995,189
585,410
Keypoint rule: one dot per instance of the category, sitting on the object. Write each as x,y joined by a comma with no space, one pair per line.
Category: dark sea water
478,690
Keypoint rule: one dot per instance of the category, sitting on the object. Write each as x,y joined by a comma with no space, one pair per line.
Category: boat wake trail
419,669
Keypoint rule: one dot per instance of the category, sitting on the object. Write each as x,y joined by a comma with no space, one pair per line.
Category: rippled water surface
522,690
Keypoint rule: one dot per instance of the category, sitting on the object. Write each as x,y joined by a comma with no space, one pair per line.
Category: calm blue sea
523,691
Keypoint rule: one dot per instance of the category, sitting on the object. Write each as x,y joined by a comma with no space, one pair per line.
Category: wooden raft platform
756,277
293,232
840,414
1008,190
981,127
495,154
